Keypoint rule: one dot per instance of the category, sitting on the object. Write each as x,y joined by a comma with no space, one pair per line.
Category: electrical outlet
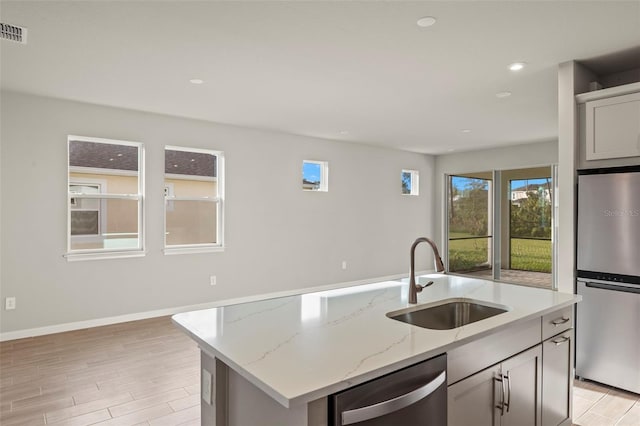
207,386
212,279
344,264
10,303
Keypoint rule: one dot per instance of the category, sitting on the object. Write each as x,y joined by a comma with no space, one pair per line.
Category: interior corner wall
503,158
278,237
572,78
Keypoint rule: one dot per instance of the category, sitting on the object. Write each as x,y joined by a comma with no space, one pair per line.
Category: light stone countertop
304,347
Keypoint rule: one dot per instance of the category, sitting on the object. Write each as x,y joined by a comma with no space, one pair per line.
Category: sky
311,172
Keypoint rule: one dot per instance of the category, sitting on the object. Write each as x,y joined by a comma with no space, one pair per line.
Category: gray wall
503,158
277,236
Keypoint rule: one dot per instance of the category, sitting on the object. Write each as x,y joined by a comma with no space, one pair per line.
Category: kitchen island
275,361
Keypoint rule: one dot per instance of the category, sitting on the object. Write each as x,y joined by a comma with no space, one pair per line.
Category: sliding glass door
500,225
530,224
470,240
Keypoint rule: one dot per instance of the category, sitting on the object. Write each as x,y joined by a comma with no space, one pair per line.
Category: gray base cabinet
526,382
522,378
508,394
473,401
557,370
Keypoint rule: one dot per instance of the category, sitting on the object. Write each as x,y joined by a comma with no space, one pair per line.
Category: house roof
124,157
190,163
103,155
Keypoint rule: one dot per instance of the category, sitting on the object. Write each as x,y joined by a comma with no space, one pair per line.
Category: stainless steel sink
448,314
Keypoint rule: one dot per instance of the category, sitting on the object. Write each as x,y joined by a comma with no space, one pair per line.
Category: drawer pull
560,321
502,404
560,340
508,380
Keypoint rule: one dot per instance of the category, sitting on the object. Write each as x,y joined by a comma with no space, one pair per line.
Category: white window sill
75,257
168,251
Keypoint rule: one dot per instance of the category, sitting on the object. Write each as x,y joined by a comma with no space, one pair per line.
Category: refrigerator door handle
614,287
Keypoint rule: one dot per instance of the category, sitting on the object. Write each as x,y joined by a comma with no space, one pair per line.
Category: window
410,182
315,175
193,200
105,194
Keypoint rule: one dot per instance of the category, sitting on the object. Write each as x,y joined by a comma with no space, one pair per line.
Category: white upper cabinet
612,127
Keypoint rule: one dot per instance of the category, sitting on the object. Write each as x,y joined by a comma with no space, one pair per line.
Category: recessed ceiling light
193,159
110,159
196,81
119,155
466,130
427,21
175,165
516,66
503,94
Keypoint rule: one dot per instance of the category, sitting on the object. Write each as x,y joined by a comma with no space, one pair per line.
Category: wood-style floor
142,372
147,373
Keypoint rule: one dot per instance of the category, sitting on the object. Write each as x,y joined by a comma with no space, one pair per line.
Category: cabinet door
523,376
612,127
473,401
557,365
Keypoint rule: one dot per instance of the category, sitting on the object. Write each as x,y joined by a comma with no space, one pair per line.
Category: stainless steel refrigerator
608,277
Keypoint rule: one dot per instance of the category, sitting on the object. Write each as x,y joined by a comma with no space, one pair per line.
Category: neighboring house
309,185
101,168
521,193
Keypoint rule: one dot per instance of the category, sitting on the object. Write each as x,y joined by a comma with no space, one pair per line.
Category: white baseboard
79,325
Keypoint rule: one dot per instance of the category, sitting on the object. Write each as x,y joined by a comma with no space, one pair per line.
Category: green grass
465,255
526,255
531,255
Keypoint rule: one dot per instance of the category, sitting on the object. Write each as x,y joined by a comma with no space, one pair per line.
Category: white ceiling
321,68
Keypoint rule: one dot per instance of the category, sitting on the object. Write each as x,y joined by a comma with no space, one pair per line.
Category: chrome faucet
414,288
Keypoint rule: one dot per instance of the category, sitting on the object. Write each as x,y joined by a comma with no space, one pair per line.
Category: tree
468,212
531,218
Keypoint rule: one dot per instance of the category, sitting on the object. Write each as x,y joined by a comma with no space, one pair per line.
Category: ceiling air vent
13,33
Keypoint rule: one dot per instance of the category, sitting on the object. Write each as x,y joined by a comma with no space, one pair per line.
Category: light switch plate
207,386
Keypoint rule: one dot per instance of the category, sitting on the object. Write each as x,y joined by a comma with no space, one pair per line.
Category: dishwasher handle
614,287
382,408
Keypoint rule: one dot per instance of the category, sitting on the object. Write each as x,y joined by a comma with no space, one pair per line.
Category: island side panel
214,414
237,402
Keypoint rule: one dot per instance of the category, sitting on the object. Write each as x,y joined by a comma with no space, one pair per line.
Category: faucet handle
420,287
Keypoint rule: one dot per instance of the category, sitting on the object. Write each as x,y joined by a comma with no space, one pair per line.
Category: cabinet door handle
385,407
560,321
560,340
508,380
501,405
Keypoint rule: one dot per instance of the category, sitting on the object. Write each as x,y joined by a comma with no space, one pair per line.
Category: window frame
105,253
414,189
169,197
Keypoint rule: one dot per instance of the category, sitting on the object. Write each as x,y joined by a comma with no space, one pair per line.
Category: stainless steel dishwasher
415,395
